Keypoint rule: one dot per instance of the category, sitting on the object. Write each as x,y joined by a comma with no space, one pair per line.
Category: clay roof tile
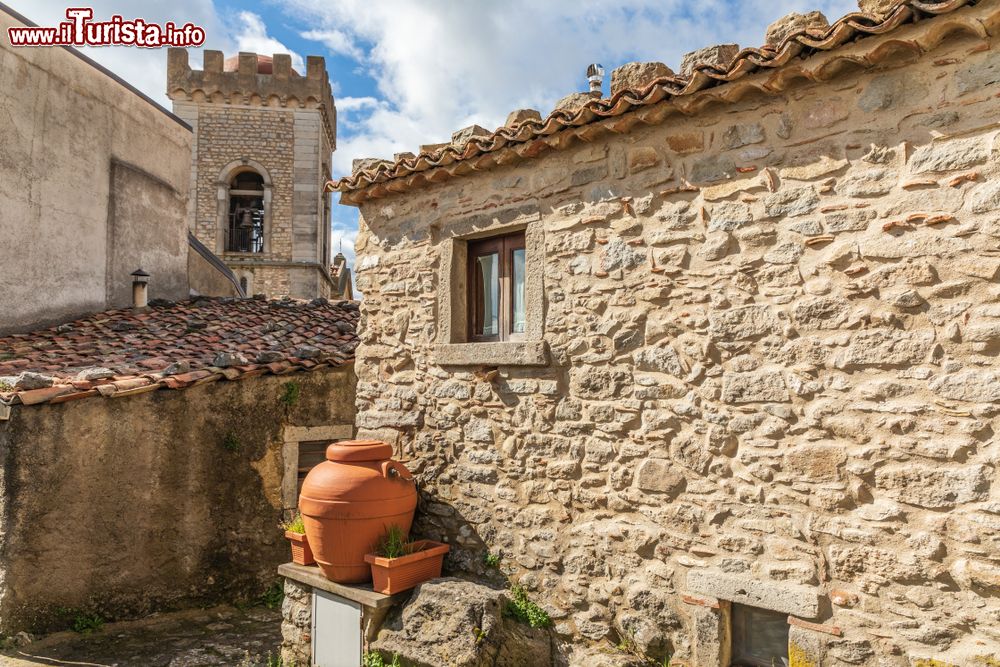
701,70
173,346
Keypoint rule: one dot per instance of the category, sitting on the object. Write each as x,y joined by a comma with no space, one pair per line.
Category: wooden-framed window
496,288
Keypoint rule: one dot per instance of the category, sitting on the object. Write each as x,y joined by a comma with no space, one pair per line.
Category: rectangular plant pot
394,575
301,553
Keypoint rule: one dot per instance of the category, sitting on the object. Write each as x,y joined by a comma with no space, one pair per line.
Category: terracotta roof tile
533,136
173,346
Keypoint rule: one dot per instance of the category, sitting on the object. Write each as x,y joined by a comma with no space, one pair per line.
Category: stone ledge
363,594
791,599
526,353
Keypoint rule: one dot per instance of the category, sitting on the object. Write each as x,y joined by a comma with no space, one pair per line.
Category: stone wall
769,376
94,179
126,506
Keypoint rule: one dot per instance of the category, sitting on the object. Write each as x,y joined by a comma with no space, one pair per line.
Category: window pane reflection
488,281
518,291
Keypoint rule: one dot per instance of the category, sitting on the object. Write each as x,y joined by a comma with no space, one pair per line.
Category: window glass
760,637
517,289
488,281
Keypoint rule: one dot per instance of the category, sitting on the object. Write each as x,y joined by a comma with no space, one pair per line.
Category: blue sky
410,72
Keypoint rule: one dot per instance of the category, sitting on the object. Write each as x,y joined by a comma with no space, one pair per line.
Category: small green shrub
375,659
492,559
84,623
273,596
6,386
291,394
295,525
526,611
392,544
232,443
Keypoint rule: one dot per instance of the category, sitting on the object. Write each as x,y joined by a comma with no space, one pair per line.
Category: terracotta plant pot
301,553
422,563
348,502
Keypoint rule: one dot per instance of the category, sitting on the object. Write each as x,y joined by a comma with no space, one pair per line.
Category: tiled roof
781,64
173,346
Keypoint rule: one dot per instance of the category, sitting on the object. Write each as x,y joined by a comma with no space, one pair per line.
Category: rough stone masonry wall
170,499
777,386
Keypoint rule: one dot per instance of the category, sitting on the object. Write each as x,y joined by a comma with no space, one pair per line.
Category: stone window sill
520,353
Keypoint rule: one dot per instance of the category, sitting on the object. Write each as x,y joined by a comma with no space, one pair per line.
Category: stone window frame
226,176
453,347
712,594
291,437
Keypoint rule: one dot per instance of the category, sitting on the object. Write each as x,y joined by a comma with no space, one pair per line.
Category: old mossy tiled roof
783,62
173,346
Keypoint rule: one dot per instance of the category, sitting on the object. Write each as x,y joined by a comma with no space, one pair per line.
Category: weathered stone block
727,216
793,599
637,76
976,574
743,134
754,387
686,142
972,385
867,183
791,202
382,418
660,359
886,347
641,157
459,623
718,56
815,463
785,253
743,323
949,155
712,169
659,476
934,487
794,22
597,382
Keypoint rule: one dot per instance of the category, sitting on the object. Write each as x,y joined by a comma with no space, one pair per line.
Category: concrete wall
766,371
75,225
162,500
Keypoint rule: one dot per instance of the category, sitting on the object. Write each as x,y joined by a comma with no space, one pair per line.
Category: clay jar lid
355,451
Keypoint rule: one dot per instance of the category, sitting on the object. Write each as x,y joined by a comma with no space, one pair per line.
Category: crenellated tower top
254,81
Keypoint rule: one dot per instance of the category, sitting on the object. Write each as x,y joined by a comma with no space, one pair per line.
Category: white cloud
335,40
442,66
251,36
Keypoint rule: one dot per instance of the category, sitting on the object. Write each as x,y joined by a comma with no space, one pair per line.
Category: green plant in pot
398,565
295,531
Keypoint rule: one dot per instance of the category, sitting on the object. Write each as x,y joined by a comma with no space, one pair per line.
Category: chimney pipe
595,75
140,289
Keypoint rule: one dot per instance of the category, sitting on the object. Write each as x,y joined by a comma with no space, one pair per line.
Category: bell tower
264,135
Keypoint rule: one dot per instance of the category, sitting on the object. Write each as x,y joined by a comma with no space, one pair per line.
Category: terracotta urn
349,501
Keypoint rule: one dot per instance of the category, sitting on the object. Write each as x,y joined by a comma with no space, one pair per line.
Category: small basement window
760,637
496,288
311,454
